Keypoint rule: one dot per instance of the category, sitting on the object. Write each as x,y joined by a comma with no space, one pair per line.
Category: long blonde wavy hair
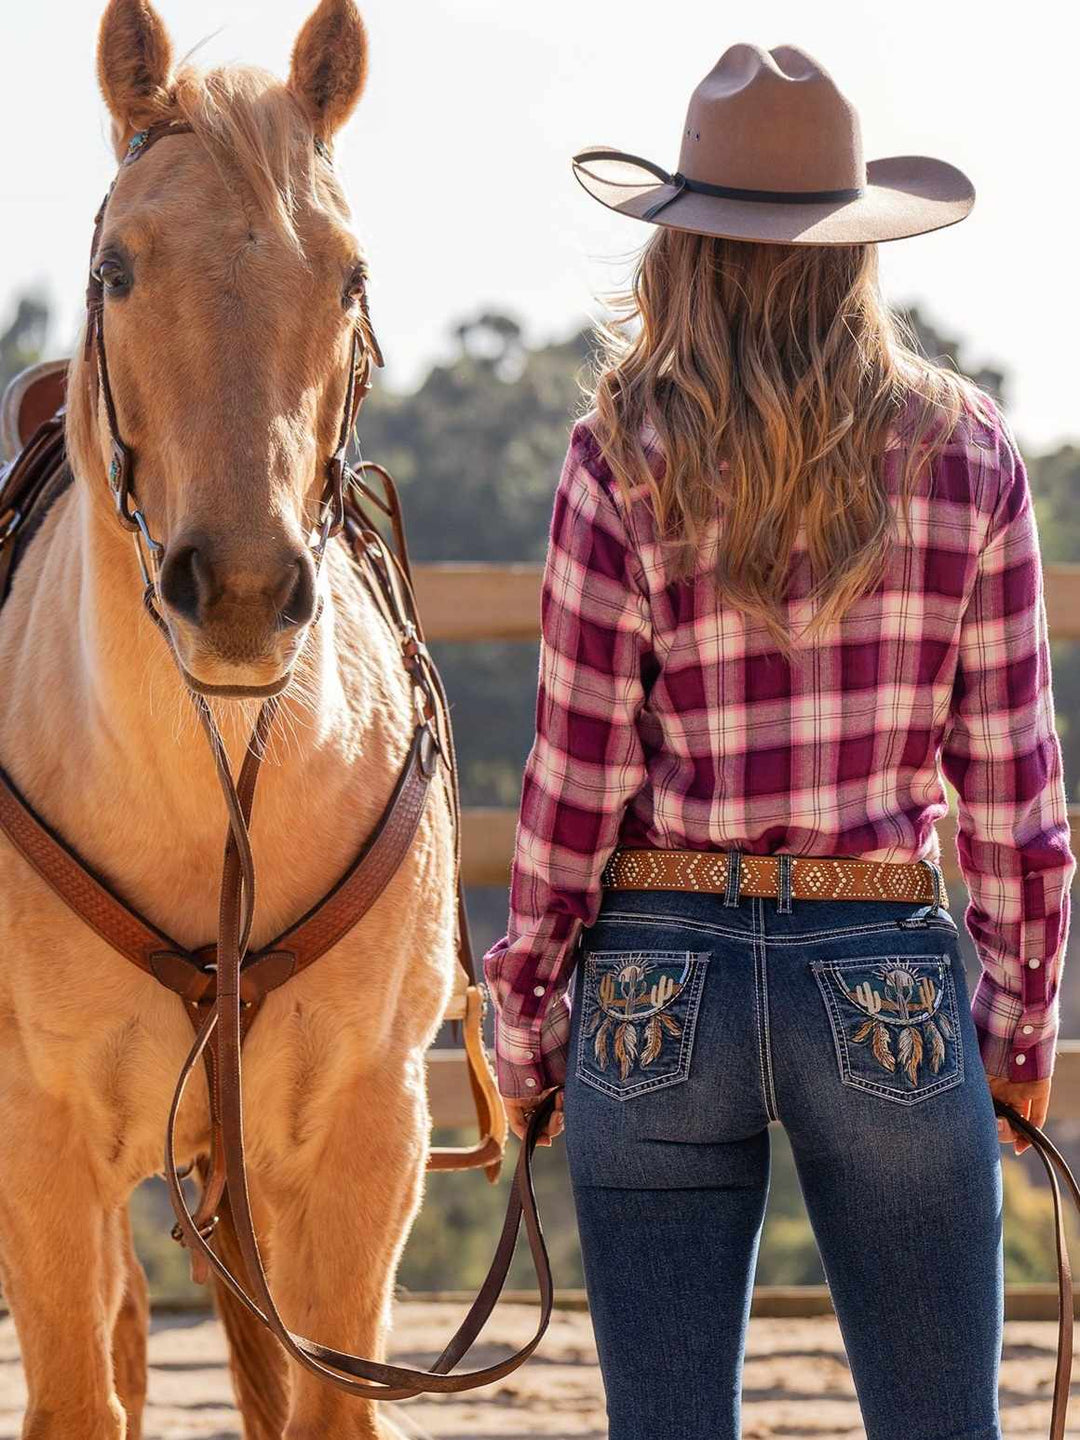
785,362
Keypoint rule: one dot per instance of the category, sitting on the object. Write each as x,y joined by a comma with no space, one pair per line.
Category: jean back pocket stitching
948,1000
695,963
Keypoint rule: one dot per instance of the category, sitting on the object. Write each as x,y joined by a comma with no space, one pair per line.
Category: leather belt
809,877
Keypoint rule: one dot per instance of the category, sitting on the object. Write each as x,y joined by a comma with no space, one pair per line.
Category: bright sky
457,166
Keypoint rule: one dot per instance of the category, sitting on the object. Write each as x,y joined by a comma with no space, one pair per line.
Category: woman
793,580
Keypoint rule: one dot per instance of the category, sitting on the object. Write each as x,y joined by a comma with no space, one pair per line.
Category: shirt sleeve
586,763
1002,754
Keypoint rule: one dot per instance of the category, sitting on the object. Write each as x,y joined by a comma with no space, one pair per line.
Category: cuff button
1021,1059
531,1083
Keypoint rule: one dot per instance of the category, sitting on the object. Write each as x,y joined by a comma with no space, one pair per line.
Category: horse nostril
296,593
204,583
187,583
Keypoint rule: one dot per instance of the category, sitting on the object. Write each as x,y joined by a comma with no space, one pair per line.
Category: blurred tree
941,349
22,342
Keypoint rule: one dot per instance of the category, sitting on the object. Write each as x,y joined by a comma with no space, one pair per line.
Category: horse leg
339,1227
60,1250
131,1299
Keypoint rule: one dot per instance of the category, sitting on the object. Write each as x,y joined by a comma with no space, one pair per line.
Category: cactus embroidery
631,1019
904,1009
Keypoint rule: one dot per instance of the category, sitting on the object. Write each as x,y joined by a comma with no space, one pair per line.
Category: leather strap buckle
204,1231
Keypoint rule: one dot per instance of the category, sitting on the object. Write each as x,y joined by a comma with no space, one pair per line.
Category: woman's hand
518,1112
1029,1098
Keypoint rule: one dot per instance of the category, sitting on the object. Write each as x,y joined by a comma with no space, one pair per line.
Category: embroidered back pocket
895,1024
639,1012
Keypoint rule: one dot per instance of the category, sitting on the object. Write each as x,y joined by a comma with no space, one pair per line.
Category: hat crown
772,120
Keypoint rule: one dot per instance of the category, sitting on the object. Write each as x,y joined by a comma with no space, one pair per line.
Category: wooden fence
502,602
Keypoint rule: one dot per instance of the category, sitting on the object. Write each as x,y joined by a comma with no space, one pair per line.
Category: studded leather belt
801,877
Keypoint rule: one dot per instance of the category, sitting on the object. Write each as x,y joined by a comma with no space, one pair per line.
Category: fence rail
502,602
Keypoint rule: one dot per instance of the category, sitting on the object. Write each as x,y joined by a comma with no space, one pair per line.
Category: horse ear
134,64
329,65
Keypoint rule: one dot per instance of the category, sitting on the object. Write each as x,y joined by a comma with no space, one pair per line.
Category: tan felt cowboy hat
772,151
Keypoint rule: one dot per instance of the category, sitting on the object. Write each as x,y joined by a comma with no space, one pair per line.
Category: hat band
735,192
729,192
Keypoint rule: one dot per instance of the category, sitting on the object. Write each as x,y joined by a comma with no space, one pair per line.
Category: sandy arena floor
796,1381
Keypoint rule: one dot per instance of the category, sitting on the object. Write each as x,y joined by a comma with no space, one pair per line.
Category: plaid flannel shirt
664,718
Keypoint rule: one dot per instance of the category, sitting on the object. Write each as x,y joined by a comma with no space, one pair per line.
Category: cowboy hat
772,151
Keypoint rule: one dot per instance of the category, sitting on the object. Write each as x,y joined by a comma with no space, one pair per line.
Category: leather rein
223,985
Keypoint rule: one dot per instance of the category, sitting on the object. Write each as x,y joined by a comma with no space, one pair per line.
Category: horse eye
356,288
112,274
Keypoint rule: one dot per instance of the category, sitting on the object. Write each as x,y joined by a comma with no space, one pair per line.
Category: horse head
230,287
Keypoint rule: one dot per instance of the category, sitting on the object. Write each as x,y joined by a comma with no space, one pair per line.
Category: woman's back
667,718
834,749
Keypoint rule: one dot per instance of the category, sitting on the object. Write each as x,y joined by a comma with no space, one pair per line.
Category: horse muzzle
237,614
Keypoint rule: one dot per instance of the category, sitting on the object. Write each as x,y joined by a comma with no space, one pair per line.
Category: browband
683,182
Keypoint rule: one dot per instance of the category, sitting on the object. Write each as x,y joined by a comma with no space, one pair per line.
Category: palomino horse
231,278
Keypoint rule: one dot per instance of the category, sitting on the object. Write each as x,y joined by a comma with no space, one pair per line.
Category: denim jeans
695,1023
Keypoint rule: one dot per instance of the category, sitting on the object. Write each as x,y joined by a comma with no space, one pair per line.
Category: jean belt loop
783,904
733,893
939,885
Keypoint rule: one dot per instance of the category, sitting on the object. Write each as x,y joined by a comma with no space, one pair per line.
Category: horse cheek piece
223,984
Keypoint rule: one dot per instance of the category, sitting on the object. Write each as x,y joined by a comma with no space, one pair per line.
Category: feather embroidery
626,1044
910,1049
654,1037
600,1049
880,1046
937,1046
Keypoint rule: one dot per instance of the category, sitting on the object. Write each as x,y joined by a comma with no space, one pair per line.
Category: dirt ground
796,1381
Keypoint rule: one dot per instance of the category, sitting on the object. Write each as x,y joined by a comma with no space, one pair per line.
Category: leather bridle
222,1012
364,354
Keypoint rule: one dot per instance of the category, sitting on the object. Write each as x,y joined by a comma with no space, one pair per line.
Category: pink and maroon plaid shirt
663,718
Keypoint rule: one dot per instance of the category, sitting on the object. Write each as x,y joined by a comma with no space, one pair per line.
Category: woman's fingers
518,1112
1031,1099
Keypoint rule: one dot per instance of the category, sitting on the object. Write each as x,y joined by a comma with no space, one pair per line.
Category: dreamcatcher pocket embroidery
639,1012
894,1023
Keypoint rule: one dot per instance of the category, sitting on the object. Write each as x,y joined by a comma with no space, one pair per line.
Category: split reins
223,994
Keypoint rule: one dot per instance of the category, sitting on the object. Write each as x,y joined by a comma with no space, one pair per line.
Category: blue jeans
695,1024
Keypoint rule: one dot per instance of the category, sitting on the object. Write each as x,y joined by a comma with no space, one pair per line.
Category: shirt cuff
531,1059
1016,1041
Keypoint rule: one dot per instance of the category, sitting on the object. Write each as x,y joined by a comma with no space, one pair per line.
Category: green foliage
477,449
22,341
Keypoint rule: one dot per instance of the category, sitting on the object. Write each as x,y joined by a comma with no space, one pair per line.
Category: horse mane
259,138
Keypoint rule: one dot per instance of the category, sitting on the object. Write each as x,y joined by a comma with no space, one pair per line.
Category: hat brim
905,195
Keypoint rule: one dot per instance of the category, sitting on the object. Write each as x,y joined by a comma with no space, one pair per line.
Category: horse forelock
256,132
